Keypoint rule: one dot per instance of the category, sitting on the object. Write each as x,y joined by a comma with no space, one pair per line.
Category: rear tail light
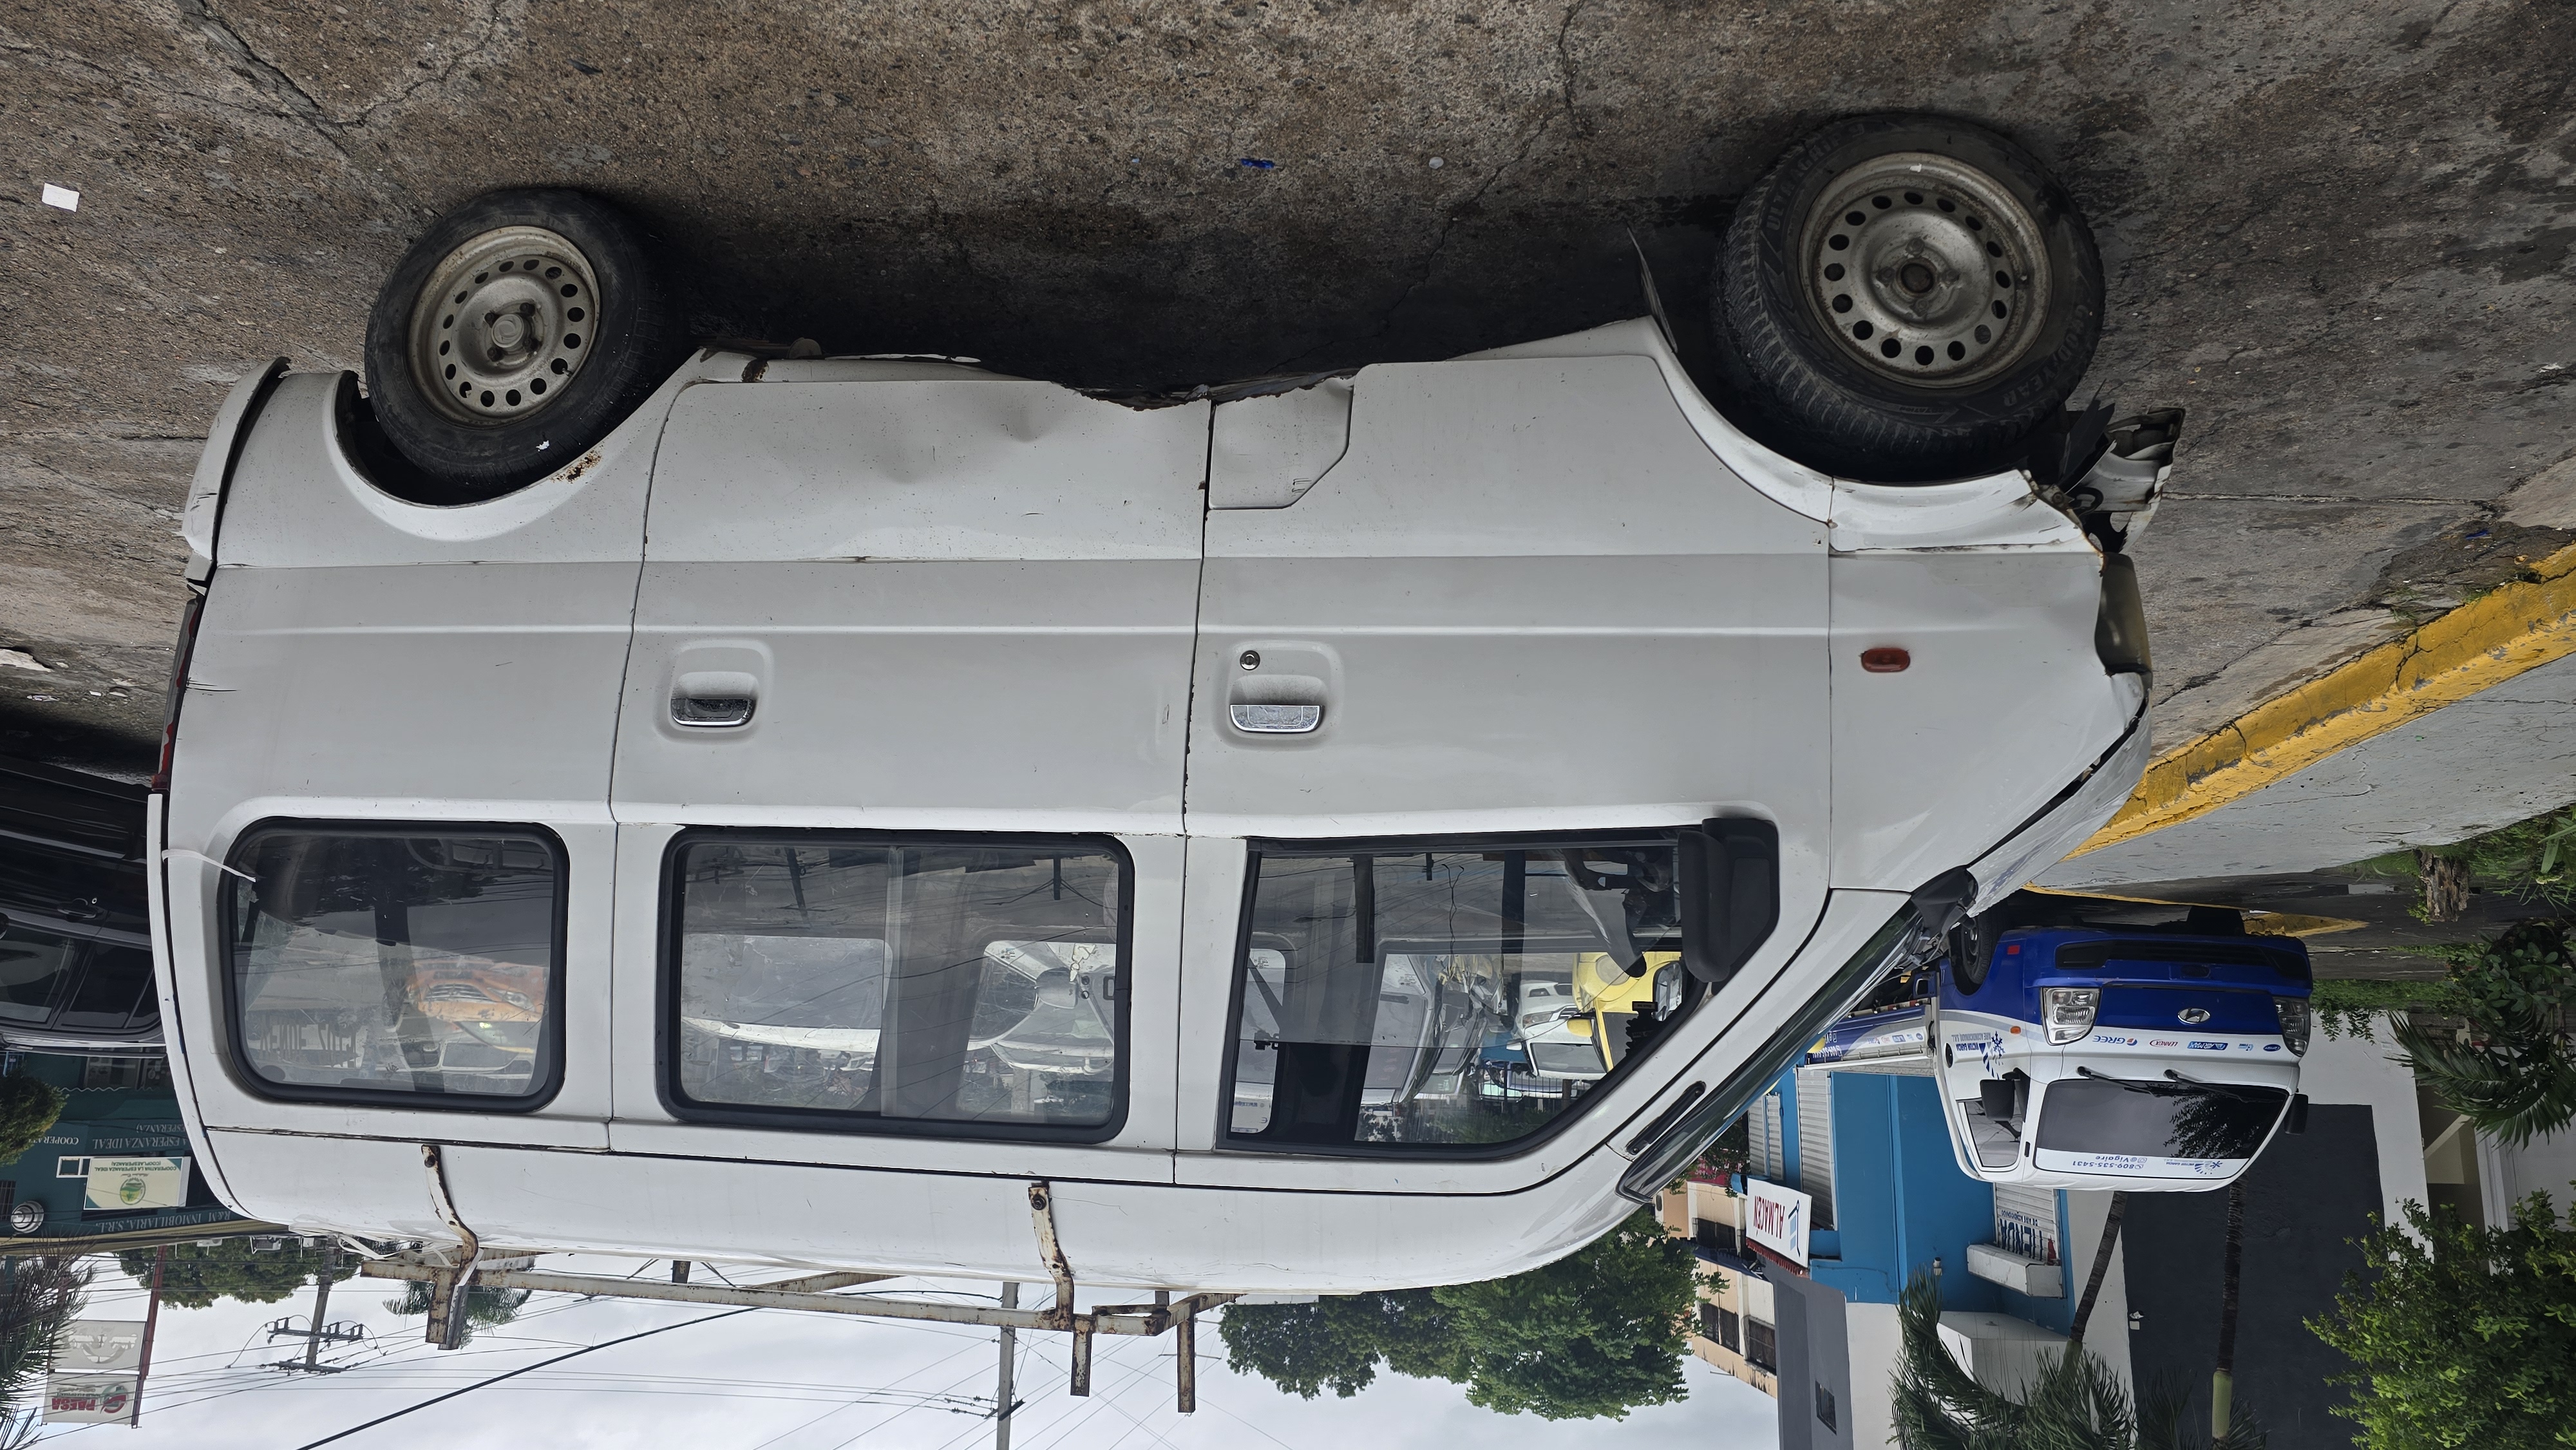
179,657
2293,1012
2067,1012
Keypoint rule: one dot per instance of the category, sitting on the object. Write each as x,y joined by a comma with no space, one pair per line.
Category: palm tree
484,1308
2075,1402
2101,1265
39,1298
2512,1074
2222,1379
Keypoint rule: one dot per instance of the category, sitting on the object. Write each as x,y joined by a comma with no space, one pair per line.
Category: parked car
770,706
75,961
2081,1056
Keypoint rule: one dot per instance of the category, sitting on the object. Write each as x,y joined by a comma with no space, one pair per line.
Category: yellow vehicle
1604,1003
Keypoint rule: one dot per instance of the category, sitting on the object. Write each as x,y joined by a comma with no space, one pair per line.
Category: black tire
1972,951
1818,396
613,349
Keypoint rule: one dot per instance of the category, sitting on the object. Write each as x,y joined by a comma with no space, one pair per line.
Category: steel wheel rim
503,325
1942,280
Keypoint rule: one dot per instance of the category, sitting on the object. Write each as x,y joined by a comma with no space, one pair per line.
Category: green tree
1593,1335
2074,1403
2462,1336
2514,1077
195,1276
484,1308
28,1111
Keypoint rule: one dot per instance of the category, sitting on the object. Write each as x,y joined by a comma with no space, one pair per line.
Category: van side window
1447,994
411,961
957,986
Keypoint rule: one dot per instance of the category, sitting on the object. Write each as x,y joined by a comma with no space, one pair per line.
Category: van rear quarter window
934,985
416,961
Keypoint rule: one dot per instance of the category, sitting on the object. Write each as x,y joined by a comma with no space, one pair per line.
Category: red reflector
1887,659
2012,951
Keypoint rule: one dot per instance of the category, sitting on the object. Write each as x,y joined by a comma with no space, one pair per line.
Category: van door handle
714,699
1276,719
711,712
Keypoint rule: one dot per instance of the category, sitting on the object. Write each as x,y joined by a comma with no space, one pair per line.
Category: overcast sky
779,1381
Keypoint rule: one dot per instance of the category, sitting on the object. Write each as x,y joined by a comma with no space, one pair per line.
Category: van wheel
1904,298
516,333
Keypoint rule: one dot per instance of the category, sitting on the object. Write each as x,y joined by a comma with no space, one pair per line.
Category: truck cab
2104,1057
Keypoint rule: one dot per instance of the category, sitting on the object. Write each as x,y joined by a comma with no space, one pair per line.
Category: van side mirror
1730,890
1995,1095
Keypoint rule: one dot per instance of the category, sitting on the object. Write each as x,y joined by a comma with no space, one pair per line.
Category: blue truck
2085,1056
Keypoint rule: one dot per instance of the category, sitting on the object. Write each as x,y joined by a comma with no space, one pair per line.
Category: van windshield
2157,1120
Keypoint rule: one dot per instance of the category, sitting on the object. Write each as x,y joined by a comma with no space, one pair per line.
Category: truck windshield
1453,993
2157,1120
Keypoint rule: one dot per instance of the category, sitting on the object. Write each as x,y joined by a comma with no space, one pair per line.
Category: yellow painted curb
2481,644
2258,922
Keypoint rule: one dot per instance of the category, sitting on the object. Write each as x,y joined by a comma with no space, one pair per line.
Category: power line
513,1374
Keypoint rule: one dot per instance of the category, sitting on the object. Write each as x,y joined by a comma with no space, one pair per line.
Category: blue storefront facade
1891,1201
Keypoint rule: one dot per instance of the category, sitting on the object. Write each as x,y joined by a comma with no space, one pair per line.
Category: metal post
1002,1392
1081,1357
321,1303
1186,1344
151,1321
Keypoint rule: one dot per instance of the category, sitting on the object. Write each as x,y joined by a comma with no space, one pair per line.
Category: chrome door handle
1276,719
711,712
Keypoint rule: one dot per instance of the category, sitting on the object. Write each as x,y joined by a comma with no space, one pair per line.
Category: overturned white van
852,791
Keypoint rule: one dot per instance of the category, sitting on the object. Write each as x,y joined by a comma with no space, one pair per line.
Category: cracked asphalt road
2341,236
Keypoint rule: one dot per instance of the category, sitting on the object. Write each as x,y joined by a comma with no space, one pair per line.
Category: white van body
1544,589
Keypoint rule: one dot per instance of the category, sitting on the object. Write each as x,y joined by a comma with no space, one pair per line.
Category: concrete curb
2479,645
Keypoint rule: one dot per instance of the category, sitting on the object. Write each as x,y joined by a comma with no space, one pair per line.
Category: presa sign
88,1399
1776,1218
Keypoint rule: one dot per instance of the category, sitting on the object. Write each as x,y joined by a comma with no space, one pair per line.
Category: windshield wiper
2130,1084
2235,1089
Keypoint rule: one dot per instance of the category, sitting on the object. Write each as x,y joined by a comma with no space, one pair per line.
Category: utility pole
321,1303
151,1321
1002,1405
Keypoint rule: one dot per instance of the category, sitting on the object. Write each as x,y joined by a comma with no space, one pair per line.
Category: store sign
120,1185
95,1346
1776,1218
89,1399
2027,1231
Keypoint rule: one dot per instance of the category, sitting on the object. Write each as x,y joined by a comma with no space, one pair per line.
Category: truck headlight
2293,1012
2067,1012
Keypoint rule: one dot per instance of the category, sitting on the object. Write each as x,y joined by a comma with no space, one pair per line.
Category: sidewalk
2463,725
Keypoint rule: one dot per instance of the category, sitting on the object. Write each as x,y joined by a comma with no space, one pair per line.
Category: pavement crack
292,97
1473,201
457,57
1565,61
